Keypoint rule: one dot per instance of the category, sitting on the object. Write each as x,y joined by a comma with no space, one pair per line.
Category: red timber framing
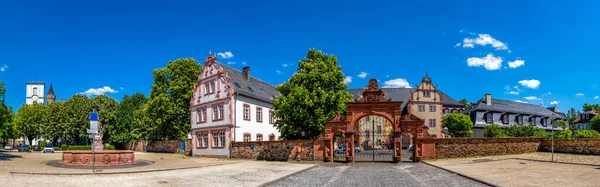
373,102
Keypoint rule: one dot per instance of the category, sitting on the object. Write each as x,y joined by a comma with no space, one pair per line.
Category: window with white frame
206,89
203,139
271,117
246,137
246,112
215,139
34,91
432,108
421,108
201,115
259,137
212,86
217,112
432,123
489,117
258,114
222,138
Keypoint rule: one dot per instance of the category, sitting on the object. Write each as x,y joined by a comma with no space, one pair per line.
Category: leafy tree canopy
587,134
595,123
561,123
464,102
29,120
458,124
125,117
590,107
314,94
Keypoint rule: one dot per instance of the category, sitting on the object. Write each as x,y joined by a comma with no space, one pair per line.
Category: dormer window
489,117
505,118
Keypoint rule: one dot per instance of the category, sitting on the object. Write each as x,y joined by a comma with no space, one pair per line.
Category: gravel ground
376,174
245,173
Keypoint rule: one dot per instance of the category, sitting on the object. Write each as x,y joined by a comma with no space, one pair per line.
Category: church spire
50,97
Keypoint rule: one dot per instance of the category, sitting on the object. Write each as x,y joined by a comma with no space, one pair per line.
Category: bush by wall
64,147
42,144
83,147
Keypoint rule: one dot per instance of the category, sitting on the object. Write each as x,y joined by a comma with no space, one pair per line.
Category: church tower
50,97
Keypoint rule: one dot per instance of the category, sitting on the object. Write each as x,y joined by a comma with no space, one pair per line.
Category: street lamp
552,117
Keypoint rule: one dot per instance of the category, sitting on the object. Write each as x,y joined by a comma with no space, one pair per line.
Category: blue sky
465,47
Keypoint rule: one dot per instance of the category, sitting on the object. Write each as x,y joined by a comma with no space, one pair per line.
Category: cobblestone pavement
515,172
37,162
376,174
243,173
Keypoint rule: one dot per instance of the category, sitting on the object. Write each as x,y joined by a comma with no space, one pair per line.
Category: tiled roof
252,87
402,94
513,107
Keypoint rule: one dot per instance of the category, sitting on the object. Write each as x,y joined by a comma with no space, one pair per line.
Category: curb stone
286,176
557,162
115,173
462,175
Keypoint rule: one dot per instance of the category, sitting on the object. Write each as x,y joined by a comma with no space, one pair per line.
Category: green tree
595,123
107,113
458,124
8,129
464,102
561,123
125,129
55,122
572,114
563,134
168,113
526,131
494,130
314,94
590,107
29,120
78,110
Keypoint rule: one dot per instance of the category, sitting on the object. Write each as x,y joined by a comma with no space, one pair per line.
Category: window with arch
271,137
259,137
246,112
258,114
271,117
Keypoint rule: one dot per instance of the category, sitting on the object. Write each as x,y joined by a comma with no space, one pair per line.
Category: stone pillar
349,147
397,147
327,156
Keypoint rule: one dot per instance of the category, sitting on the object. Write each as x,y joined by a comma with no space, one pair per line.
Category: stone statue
98,146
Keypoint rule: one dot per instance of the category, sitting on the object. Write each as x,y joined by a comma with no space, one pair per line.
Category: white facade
34,93
212,119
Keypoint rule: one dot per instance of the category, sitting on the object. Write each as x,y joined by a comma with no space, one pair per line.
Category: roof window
238,85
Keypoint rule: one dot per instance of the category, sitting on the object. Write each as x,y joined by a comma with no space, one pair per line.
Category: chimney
488,99
246,72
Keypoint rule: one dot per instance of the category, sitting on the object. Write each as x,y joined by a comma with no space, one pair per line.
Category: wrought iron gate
374,143
339,151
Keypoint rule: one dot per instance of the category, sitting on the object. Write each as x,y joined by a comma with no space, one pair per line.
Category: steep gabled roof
251,86
403,94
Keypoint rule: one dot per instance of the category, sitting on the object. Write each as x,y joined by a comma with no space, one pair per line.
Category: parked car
340,149
410,147
49,148
36,148
24,148
357,149
8,147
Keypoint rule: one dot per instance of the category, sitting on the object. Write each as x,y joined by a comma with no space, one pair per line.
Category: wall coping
276,141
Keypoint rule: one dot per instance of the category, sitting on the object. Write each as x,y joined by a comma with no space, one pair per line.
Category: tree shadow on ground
8,157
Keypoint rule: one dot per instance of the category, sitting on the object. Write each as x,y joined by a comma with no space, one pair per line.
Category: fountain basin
102,158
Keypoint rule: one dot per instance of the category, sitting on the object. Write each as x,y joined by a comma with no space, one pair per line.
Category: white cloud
99,91
490,62
285,65
363,74
520,101
348,79
483,40
579,94
513,93
532,98
515,90
554,102
230,63
4,68
457,44
279,72
595,97
549,93
121,88
226,54
533,84
396,83
244,63
516,63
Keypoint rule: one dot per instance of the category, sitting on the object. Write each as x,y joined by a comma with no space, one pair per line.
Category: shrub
42,143
587,134
494,130
458,124
109,147
563,134
79,147
64,147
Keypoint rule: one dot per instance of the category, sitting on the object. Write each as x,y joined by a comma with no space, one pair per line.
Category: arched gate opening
371,130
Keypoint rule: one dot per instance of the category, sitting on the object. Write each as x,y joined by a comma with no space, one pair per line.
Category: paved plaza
513,170
376,174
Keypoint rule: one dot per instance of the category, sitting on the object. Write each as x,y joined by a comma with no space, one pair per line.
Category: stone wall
273,150
578,146
472,147
169,146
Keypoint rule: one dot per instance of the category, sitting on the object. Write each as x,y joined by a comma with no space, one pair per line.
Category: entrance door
374,140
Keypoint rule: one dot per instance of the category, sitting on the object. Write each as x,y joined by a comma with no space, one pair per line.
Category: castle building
229,105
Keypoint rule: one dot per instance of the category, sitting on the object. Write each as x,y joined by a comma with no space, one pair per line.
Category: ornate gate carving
372,102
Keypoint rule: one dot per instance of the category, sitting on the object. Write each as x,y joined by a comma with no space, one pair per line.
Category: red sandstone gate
372,102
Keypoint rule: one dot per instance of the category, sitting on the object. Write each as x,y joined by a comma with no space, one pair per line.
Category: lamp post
552,117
